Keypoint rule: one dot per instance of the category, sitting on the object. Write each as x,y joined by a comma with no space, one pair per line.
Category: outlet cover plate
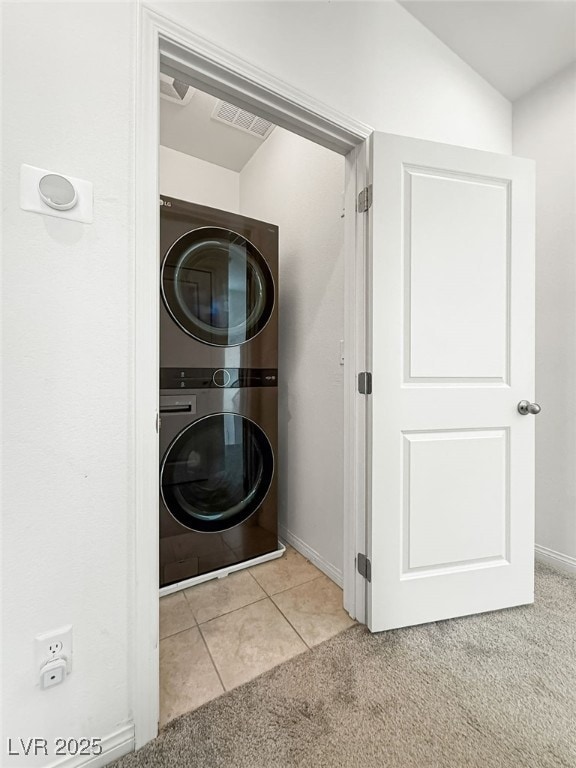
42,645
30,199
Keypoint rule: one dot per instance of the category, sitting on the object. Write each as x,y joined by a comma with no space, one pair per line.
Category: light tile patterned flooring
225,632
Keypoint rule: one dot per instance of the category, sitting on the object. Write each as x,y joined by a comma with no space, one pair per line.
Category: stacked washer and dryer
218,390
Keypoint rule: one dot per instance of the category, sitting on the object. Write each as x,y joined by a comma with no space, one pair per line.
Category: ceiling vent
175,90
241,119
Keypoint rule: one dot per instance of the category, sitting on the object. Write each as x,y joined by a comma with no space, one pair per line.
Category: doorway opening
180,54
219,163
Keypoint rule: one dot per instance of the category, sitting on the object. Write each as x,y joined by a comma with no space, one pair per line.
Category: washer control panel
222,378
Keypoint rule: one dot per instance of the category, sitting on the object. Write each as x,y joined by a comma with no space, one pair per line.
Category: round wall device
57,192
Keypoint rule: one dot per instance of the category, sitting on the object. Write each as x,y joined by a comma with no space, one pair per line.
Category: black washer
217,472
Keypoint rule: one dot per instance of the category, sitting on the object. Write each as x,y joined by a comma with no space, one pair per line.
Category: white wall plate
30,199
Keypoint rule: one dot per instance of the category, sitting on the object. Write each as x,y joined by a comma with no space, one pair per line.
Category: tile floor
225,632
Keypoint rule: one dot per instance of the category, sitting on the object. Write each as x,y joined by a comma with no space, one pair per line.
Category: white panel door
450,529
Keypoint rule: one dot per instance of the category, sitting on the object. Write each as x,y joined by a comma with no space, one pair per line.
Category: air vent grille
261,127
241,119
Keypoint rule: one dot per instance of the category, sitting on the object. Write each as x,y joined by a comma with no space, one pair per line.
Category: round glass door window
217,472
217,286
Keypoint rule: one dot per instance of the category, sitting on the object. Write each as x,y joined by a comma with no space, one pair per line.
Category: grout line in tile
179,632
181,591
258,600
266,597
187,601
301,584
212,659
227,613
195,624
189,604
247,570
262,587
309,647
294,585
258,566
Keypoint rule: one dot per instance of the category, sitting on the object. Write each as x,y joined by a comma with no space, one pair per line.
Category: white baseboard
310,554
115,745
556,559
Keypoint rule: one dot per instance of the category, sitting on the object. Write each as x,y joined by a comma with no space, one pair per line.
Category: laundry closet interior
251,395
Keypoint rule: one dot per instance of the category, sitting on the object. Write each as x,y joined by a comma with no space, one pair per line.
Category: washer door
217,286
217,472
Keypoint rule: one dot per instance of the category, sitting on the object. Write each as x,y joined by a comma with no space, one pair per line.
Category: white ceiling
514,44
190,129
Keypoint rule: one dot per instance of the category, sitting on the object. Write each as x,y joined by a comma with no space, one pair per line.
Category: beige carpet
496,690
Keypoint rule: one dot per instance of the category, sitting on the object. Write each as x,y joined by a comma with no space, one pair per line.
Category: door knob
525,407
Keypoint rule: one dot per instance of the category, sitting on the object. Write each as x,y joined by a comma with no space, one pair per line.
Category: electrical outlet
52,646
55,648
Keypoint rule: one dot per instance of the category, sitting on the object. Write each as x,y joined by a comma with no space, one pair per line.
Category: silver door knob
525,407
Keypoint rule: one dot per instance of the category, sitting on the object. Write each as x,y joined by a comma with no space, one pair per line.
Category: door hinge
364,199
365,383
364,566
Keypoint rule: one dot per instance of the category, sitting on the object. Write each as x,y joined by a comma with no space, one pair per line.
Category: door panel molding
432,354
463,526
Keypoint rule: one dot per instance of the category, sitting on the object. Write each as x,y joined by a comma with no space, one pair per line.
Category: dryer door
217,472
217,286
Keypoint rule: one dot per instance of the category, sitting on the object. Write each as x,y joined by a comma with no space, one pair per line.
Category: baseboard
556,559
310,554
115,745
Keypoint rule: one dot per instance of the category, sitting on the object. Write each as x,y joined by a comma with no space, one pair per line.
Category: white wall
545,130
371,60
298,185
68,297
68,339
189,178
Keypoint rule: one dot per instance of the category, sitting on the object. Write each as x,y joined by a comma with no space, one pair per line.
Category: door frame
212,68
